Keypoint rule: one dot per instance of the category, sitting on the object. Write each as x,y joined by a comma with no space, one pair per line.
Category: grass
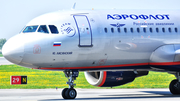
38,79
1,55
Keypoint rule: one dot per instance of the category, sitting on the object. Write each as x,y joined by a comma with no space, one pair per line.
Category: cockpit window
43,29
30,29
53,29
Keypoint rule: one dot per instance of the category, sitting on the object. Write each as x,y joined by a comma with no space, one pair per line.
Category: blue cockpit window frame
30,29
53,29
43,29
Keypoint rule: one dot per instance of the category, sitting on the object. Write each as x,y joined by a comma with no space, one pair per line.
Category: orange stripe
104,78
112,66
165,63
94,67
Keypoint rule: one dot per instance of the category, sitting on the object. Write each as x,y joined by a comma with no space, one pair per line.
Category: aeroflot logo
136,17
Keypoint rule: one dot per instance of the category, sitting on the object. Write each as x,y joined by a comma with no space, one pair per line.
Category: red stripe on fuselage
94,67
112,66
104,78
165,64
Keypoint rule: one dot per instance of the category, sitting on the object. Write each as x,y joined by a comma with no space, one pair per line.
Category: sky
15,14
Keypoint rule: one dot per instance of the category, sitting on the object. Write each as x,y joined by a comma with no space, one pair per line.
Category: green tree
2,42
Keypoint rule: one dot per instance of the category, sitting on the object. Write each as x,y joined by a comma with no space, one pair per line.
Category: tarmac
3,61
89,95
86,94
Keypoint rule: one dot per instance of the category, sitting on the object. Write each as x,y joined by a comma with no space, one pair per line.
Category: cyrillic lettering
160,17
167,16
109,16
135,17
132,16
125,16
143,17
151,16
118,17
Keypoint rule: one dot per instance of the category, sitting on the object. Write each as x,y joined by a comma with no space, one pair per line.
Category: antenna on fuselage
73,8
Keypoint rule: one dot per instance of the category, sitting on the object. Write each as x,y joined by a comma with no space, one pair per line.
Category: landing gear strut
70,93
175,85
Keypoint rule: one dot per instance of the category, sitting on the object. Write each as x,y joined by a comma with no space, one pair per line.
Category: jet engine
111,78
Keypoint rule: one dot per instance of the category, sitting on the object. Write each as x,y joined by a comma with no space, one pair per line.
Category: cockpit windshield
43,29
30,29
53,29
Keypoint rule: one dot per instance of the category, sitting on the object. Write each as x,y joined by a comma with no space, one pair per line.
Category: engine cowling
111,78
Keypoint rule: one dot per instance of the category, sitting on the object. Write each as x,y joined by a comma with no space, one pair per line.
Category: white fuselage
97,40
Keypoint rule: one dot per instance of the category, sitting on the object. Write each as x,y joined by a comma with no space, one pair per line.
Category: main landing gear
175,85
70,93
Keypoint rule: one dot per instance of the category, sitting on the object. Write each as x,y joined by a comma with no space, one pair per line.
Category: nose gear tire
175,87
69,93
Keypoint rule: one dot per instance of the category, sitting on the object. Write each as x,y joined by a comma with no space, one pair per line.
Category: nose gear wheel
70,93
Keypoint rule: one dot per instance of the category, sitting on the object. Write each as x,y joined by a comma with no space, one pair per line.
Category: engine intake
111,78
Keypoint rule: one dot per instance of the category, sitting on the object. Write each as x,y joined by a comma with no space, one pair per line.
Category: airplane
112,47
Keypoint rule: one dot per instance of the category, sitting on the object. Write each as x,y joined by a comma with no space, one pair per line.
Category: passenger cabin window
144,29
176,30
112,30
105,29
138,30
53,29
169,30
131,30
163,29
119,30
29,29
43,29
157,30
125,30
151,30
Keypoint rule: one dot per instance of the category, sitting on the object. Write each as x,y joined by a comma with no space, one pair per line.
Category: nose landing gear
175,85
70,93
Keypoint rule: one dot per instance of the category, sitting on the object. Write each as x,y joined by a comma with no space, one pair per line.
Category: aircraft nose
13,50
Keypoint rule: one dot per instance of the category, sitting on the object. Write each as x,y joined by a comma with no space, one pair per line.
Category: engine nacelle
111,78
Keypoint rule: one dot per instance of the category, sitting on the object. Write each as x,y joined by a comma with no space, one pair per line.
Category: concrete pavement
89,95
3,61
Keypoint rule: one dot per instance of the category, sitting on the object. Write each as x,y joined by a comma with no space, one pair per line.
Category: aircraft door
84,30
